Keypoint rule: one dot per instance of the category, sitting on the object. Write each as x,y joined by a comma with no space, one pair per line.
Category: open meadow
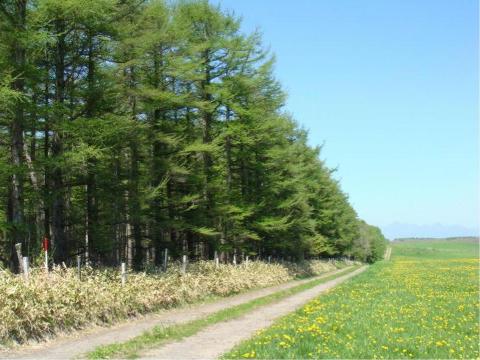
421,304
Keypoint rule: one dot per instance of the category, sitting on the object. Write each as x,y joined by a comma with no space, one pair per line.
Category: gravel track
388,253
215,340
81,342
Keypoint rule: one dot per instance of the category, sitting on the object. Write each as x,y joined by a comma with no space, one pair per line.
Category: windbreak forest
130,126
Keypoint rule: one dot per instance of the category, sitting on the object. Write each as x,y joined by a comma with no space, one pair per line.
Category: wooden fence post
124,274
79,267
216,259
46,261
25,268
18,248
165,260
184,264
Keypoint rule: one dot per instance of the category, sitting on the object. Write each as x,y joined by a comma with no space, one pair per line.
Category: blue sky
391,88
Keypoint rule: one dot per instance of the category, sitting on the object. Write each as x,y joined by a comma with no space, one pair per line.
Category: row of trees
130,126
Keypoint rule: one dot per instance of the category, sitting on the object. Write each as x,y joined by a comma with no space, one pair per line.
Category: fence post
184,264
79,267
18,248
215,256
45,244
165,260
246,261
234,257
46,261
269,259
25,268
124,273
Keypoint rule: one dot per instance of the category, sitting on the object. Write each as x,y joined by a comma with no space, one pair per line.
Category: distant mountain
401,230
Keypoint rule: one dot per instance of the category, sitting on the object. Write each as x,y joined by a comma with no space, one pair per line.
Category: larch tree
130,127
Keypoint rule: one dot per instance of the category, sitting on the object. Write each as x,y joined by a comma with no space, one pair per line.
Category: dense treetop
130,126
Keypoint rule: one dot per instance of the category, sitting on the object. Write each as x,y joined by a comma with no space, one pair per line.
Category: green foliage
151,125
370,246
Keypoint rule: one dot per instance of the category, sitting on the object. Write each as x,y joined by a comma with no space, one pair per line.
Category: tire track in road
81,342
215,340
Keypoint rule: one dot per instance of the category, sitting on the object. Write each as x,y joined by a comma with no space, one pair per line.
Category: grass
59,302
160,334
436,248
422,304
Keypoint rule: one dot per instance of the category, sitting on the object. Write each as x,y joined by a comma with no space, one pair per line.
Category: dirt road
67,347
217,339
388,253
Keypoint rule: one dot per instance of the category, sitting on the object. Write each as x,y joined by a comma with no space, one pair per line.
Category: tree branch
9,16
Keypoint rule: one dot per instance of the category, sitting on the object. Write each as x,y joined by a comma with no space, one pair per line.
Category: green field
437,248
421,304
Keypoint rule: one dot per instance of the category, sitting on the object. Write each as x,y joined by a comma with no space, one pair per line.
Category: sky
390,87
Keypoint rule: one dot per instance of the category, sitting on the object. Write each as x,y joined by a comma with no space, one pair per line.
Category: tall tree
129,127
14,15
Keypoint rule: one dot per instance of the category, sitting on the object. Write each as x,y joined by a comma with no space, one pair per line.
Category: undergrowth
48,304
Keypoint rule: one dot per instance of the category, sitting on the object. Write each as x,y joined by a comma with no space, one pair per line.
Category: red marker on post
45,248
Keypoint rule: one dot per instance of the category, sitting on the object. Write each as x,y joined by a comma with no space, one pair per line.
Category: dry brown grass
48,304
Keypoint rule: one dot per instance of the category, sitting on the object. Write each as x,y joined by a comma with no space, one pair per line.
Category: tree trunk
158,164
46,150
59,238
135,208
207,139
16,205
92,207
206,136
228,155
